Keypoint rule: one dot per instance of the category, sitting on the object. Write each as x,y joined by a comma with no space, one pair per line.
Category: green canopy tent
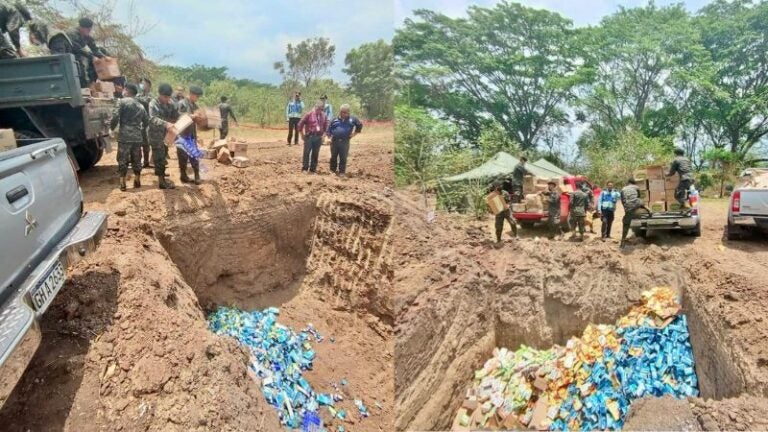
453,191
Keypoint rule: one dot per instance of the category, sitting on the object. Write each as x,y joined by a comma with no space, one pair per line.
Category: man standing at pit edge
162,115
341,131
132,119
630,199
606,209
293,114
312,126
189,106
552,201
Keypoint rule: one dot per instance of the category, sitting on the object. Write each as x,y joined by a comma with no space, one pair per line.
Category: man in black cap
132,119
162,115
145,97
12,18
119,83
76,41
225,110
189,106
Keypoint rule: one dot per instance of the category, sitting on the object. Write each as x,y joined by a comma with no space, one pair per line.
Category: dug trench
455,306
126,342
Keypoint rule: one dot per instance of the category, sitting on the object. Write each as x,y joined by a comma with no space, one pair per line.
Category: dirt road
459,295
126,345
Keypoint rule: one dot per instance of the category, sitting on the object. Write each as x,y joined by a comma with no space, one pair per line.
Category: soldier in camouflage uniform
189,106
682,166
132,119
516,180
226,111
12,18
552,201
630,199
162,115
578,209
145,97
505,215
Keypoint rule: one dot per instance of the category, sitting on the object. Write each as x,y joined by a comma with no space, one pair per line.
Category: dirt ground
458,295
126,345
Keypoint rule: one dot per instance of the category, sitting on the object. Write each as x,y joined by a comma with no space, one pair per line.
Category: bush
619,160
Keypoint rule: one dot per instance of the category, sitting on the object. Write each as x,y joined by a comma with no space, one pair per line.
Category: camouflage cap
195,90
85,22
133,88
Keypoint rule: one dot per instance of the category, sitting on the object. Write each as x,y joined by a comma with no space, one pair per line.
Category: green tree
630,151
635,70
308,60
371,70
419,138
511,63
722,163
731,95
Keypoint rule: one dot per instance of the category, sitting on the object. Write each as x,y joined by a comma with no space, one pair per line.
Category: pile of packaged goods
279,355
591,382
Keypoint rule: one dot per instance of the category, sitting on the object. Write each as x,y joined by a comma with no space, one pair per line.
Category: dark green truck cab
40,97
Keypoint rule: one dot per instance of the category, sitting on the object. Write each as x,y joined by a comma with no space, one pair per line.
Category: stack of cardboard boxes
532,188
7,140
657,190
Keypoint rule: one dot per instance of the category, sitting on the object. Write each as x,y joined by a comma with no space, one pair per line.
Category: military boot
137,181
197,176
165,184
122,184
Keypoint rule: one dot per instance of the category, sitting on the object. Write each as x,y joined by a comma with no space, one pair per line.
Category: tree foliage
306,61
513,64
630,151
371,70
419,140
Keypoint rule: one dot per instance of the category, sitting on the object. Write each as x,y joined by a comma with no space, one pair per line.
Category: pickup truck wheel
87,155
696,232
732,233
640,233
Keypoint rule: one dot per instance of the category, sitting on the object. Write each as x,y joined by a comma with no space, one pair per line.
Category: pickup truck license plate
48,287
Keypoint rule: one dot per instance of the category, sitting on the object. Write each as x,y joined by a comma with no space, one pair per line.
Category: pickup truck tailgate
754,202
40,202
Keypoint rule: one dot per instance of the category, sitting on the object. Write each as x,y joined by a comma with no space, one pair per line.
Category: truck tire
733,233
87,154
640,233
696,231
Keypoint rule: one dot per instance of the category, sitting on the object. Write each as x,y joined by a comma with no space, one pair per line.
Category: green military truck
40,97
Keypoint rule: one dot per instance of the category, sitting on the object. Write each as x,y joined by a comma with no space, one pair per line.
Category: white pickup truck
43,231
748,210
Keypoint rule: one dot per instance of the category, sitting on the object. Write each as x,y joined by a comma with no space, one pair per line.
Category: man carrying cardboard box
505,214
189,106
162,115
682,166
75,41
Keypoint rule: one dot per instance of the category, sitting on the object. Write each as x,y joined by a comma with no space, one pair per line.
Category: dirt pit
126,344
471,295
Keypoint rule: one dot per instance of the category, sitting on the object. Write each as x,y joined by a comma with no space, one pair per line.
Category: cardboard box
208,118
518,208
103,87
241,162
655,172
183,123
642,184
240,149
640,175
670,194
671,182
7,140
644,195
655,196
658,206
529,184
495,203
170,137
106,68
224,156
533,203
210,153
219,144
674,206
656,185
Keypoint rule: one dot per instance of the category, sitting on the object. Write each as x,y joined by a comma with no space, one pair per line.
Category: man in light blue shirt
293,113
327,107
606,208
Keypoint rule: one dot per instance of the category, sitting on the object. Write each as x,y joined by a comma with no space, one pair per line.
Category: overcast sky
581,12
249,36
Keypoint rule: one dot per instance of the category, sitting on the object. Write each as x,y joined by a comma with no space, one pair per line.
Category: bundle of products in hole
590,383
278,357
